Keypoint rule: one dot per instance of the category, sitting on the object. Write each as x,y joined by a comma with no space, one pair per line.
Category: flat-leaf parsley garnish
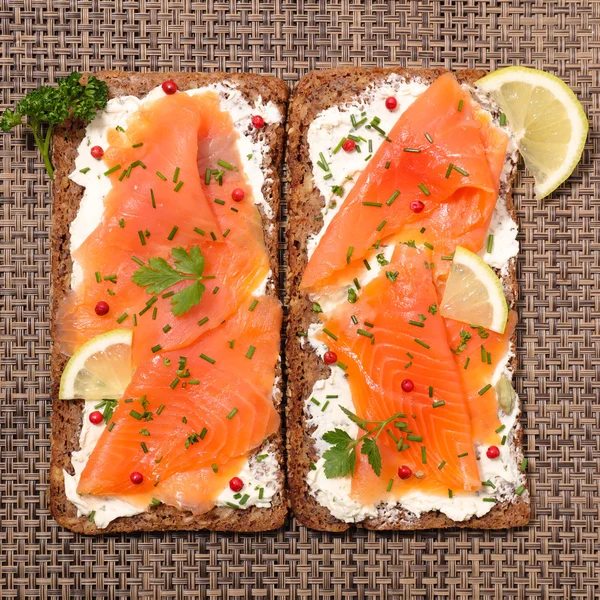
159,275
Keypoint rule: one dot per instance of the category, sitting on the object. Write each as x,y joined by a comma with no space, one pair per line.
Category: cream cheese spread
322,407
260,476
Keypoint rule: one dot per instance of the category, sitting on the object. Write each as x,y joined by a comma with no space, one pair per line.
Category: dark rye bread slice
66,418
313,94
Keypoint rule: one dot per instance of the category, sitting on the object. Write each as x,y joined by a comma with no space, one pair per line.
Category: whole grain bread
313,94
67,415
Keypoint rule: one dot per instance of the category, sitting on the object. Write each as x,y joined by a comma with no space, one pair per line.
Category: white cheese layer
256,475
325,132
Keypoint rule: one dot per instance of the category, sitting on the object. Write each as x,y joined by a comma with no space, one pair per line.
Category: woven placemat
558,555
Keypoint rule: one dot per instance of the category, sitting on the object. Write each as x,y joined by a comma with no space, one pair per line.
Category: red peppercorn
235,484
238,194
258,121
169,87
493,452
404,472
416,206
136,478
408,385
329,358
102,308
391,103
97,152
349,145
96,417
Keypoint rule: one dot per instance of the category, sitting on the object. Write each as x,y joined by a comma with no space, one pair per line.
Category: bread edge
67,415
312,95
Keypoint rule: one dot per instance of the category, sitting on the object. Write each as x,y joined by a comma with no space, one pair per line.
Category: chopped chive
503,440
261,492
462,455
349,254
176,175
354,319
483,390
216,289
202,321
387,164
301,333
178,186
428,138
430,391
219,201
341,365
85,170
312,466
122,318
448,257
340,144
167,295
421,343
156,348
142,237
166,328
356,283
488,483
253,305
428,245
98,277
489,358
326,177
198,230
424,189
173,232
233,209
135,414
381,225
441,465
392,198
461,171
232,414
483,355
111,426
410,355
92,515
324,162
423,454
160,409
203,433
502,119
193,381
438,403
261,457
331,335
325,406
212,361
121,223
115,168
520,490
134,320
213,236
231,504
523,466
416,323
225,165
365,333
138,145
207,175
460,105
366,263
389,485
407,365
315,401
449,493
119,128
332,396
414,438
490,243
251,352
375,204
416,150
467,362
161,175
174,383
489,499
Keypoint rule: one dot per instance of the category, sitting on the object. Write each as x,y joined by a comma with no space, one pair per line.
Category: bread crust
313,94
67,415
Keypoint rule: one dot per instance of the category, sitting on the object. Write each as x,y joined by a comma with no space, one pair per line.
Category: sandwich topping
410,411
168,245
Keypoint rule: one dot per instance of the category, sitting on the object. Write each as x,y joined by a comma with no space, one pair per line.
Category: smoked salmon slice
444,152
391,334
477,353
173,190
190,417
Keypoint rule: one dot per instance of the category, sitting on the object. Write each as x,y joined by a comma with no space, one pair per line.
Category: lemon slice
547,120
101,368
474,293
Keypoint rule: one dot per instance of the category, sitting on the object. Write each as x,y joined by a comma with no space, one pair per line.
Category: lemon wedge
473,293
546,118
100,369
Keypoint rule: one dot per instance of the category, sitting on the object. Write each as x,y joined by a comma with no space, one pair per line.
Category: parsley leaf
339,462
159,275
370,448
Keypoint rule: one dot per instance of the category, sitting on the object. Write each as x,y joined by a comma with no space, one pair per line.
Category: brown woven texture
558,555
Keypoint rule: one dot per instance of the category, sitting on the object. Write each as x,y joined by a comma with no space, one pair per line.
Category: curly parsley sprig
340,459
42,109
